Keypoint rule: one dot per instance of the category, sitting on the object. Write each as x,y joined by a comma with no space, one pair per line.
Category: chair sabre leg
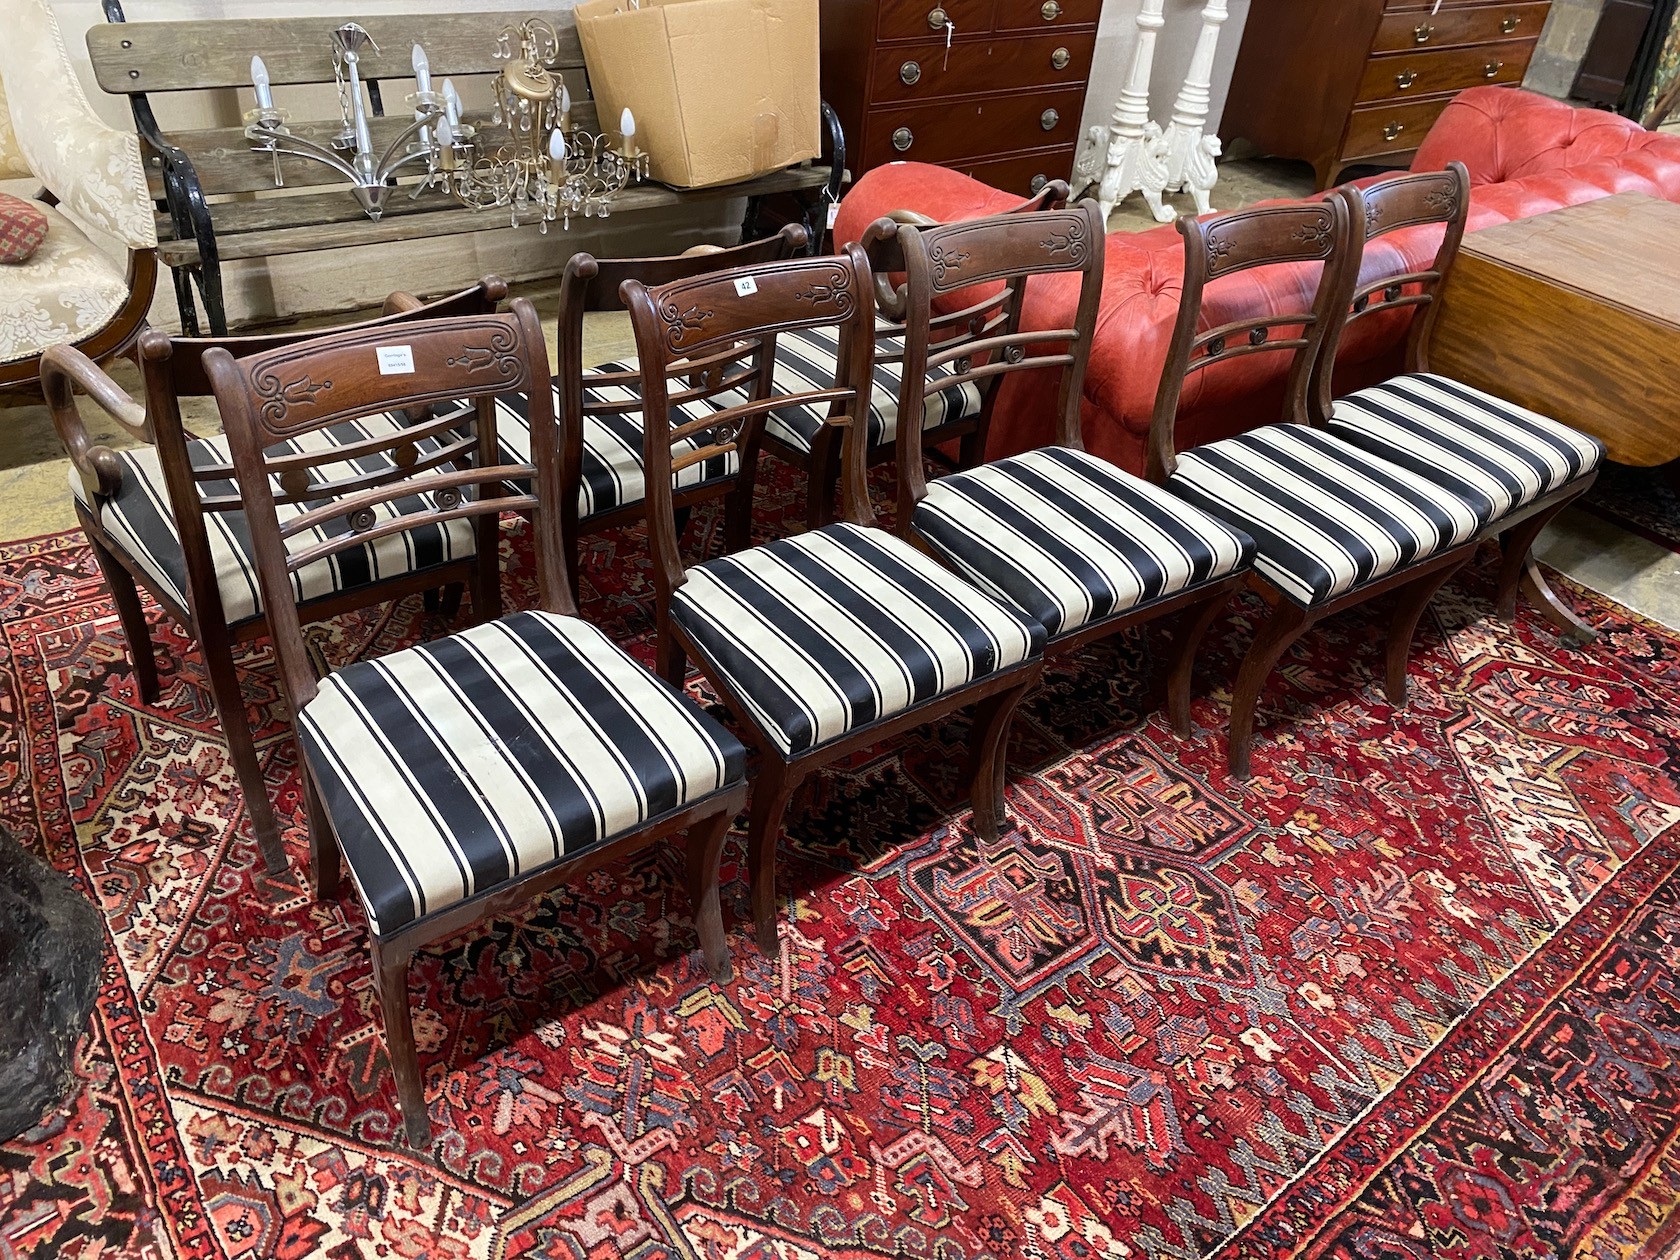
770,794
1187,639
242,749
390,982
1287,623
990,752
1539,590
325,870
705,856
1414,599
131,615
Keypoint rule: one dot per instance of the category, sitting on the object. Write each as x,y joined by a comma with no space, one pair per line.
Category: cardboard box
722,90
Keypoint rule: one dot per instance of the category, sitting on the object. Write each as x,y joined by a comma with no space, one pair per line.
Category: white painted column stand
1190,153
1136,152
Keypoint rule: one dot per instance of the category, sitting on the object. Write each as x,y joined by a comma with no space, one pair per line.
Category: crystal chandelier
530,161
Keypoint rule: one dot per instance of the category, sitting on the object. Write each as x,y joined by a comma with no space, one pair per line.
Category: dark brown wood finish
1002,102
701,320
1440,197
1339,82
479,488
1226,245
886,261
985,341
172,369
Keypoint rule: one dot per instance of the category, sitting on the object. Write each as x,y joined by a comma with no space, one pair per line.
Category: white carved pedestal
1136,156
1190,152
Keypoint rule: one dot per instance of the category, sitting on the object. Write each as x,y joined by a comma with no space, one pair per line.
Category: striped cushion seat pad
1070,539
613,456
1480,447
808,360
830,630
139,520
452,767
1325,516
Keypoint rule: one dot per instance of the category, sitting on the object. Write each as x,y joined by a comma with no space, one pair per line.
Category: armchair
94,190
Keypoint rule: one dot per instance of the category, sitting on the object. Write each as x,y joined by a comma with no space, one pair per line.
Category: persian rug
1410,991
1643,501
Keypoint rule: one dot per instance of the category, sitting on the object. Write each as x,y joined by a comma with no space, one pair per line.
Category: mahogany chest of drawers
992,88
1344,82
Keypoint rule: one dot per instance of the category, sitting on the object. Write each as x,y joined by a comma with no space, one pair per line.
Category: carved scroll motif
946,261
280,396
498,357
681,322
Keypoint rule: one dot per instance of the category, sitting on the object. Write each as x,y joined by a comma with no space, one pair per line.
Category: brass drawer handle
1492,69
1050,10
1038,182
1509,25
902,139
1393,130
1423,34
1048,119
1060,58
910,73
938,19
1405,80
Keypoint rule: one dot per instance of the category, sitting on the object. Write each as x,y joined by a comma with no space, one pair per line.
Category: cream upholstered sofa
71,289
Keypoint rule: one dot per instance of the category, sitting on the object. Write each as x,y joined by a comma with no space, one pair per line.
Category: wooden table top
1622,250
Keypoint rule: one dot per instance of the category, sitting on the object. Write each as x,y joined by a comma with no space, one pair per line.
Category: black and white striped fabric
613,458
1325,516
1483,449
139,520
452,767
1070,539
808,360
833,629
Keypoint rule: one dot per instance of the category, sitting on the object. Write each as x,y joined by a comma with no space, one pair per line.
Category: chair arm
400,303
65,368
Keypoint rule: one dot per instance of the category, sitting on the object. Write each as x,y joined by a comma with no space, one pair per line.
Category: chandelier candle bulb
565,107
627,129
557,157
422,69
259,81
451,103
446,144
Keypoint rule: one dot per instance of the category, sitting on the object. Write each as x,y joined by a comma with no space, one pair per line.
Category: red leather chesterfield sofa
1527,154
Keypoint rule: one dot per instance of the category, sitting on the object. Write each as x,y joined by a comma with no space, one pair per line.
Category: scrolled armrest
400,303
64,369
886,257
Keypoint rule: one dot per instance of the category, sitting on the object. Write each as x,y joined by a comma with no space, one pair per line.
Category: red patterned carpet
1409,992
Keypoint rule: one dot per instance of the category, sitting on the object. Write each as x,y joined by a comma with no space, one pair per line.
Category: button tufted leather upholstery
1527,154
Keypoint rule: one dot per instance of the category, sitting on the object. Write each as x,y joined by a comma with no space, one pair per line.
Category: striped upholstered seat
1325,516
835,628
455,766
139,519
1070,539
805,361
1483,449
612,469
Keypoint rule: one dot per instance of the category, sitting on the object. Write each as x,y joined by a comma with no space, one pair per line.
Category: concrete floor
35,497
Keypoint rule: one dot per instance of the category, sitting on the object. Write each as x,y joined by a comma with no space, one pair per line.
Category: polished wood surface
1575,314
1339,82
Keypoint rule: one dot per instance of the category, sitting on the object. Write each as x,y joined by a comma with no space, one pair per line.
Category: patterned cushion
23,226
140,521
1070,539
612,443
831,630
67,290
1481,448
808,359
457,765
1325,516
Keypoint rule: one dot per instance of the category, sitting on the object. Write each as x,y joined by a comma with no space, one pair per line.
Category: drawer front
1403,75
1035,15
951,131
914,72
1396,127
1433,6
923,19
1025,173
1405,32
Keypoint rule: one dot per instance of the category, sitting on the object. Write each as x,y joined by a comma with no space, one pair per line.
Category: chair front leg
990,752
242,748
131,615
325,870
1287,622
390,983
1414,598
705,856
1192,627
775,785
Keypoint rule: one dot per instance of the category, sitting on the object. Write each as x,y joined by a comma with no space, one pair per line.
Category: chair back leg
770,795
131,614
1414,599
989,748
1192,626
236,728
1286,623
705,856
390,983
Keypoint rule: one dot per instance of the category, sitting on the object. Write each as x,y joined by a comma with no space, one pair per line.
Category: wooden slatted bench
217,200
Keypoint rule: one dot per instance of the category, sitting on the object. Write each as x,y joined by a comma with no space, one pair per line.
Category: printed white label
746,285
833,214
395,360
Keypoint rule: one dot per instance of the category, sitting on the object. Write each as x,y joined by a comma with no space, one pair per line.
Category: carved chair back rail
193,173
